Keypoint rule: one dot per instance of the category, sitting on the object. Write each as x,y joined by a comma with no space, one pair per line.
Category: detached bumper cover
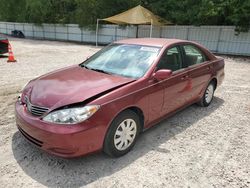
61,140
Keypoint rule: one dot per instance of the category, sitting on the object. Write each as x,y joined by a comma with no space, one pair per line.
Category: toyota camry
104,103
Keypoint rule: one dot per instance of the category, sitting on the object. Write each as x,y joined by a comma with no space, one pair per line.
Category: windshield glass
123,59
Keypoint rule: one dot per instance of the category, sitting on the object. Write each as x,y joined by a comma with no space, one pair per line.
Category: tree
12,10
240,16
85,12
203,12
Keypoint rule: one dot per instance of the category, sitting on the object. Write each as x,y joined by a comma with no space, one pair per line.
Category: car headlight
71,115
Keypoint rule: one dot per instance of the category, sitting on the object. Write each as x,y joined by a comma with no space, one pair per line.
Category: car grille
35,110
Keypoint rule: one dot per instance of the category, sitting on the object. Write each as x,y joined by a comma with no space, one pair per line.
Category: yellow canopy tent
134,16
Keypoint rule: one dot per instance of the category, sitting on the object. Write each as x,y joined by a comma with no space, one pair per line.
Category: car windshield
123,59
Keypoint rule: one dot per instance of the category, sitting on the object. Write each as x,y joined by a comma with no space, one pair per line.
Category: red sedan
105,102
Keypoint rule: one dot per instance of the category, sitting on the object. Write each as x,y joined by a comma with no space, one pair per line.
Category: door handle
184,77
208,68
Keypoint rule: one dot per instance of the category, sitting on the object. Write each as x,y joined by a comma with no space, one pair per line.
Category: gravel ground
198,147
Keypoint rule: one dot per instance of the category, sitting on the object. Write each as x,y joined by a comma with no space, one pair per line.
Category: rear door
200,69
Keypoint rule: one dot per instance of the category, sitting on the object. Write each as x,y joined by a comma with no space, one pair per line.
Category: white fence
220,39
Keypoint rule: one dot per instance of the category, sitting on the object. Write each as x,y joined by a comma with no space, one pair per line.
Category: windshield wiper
99,70
85,66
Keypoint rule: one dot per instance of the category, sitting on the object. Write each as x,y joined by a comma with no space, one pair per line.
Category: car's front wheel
208,95
122,134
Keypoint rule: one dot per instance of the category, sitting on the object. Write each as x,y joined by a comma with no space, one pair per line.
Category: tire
208,96
122,134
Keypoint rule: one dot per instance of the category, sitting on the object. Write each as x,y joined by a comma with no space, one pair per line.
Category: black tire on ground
208,95
129,119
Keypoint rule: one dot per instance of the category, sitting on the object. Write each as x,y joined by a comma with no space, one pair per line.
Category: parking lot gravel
197,147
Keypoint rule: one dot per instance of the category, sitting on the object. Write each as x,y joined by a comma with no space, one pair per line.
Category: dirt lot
198,147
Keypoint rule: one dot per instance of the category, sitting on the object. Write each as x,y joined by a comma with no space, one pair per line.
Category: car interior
192,55
171,60
191,59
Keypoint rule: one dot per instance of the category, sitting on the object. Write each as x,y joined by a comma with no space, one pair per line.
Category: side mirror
162,74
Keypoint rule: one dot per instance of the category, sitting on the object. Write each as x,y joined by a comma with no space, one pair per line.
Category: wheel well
139,112
214,80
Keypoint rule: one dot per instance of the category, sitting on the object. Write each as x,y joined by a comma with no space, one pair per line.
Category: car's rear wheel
208,95
122,134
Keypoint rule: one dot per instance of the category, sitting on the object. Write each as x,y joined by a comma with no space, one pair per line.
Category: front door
177,86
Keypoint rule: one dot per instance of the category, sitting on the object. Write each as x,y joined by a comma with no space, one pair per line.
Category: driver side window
171,59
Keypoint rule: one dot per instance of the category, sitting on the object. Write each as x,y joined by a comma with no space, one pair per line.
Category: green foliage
12,10
85,12
241,15
203,12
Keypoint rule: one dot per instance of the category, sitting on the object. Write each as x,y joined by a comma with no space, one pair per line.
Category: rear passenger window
193,55
171,59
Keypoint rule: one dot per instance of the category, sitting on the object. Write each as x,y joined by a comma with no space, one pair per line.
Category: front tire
122,134
208,95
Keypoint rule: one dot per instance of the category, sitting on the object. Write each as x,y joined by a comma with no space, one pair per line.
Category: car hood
71,85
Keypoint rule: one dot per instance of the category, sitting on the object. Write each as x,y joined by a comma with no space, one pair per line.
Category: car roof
157,42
